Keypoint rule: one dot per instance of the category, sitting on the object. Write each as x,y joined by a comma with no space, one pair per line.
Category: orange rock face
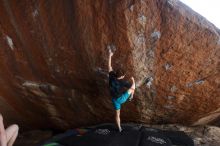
54,54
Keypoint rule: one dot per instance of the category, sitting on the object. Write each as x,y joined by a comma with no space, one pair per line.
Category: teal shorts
117,102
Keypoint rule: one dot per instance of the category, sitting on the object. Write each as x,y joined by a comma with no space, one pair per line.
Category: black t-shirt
117,87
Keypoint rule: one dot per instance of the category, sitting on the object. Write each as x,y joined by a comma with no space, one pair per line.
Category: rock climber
8,135
120,89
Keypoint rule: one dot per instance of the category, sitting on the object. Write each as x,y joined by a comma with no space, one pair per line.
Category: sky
210,9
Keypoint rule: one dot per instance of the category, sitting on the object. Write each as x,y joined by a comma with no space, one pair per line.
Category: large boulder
54,54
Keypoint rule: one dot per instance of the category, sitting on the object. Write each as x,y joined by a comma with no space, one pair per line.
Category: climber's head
120,74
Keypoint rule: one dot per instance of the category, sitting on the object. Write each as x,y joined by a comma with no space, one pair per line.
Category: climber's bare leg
117,119
11,134
3,138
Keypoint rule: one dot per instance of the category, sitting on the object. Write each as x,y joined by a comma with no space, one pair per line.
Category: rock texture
53,62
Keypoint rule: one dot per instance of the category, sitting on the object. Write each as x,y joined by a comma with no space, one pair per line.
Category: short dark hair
119,73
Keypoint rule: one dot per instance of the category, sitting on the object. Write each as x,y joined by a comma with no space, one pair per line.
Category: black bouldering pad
107,135
132,135
153,137
179,138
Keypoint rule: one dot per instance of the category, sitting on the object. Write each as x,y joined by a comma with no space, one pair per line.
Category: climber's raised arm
110,61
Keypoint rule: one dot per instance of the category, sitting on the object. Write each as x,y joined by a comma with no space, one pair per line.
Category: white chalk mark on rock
30,84
149,82
10,42
156,34
151,53
146,80
33,87
170,97
111,47
131,8
167,66
172,2
173,89
142,20
197,82
189,85
35,13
